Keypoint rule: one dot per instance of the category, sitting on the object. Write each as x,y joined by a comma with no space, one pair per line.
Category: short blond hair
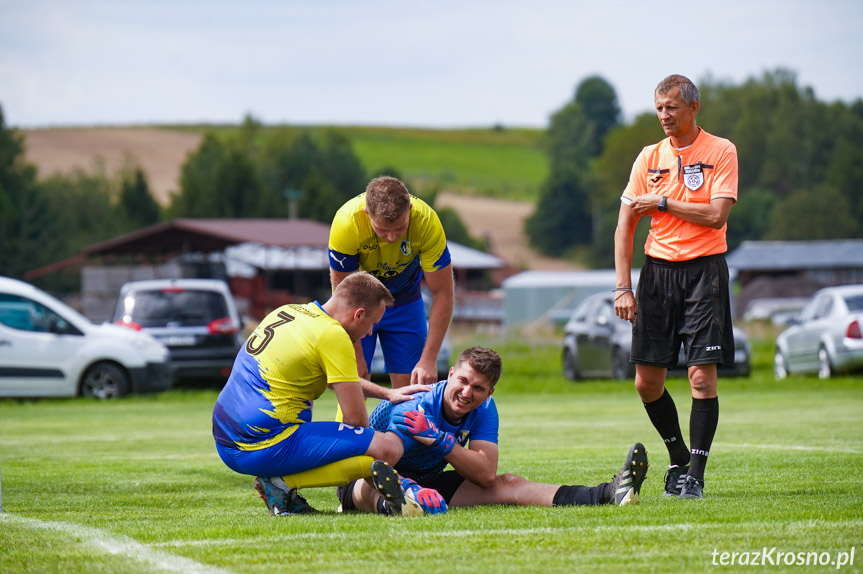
484,361
361,289
387,198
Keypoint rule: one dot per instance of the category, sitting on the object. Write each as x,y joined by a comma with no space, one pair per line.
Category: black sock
702,426
663,415
383,507
346,496
577,495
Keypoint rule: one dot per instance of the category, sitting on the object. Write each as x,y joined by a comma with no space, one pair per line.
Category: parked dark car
196,319
597,344
826,337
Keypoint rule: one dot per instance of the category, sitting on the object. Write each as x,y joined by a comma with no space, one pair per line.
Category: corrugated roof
589,278
465,257
779,255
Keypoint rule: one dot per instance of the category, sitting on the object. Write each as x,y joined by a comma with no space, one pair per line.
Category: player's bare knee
507,481
702,381
387,447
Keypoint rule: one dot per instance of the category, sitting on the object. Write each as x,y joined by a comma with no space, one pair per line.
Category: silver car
196,319
597,344
826,337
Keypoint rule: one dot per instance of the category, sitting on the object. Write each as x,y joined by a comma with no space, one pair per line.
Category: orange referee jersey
698,173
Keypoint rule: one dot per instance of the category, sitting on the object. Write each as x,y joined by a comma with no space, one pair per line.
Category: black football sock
663,415
346,496
383,508
703,420
578,495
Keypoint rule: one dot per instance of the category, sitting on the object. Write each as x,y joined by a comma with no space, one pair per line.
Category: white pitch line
119,545
797,447
804,525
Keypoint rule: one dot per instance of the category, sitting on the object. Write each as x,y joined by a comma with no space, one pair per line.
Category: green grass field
136,486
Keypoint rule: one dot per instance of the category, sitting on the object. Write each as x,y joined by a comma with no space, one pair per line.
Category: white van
47,349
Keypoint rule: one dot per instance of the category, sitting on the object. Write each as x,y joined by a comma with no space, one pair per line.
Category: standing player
262,418
457,424
687,183
399,239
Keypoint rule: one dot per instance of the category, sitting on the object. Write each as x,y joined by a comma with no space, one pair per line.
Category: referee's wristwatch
663,204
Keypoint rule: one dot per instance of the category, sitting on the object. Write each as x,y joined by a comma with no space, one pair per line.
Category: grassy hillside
506,163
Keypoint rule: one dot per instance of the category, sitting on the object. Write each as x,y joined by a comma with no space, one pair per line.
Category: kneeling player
457,423
262,420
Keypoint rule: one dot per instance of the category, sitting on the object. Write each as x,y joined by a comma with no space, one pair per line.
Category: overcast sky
387,62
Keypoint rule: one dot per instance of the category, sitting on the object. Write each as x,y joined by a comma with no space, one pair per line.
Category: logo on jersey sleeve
693,176
406,247
462,437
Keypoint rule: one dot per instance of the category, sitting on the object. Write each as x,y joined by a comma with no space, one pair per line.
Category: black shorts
447,483
683,302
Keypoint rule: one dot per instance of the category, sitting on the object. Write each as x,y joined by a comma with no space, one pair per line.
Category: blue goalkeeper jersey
419,461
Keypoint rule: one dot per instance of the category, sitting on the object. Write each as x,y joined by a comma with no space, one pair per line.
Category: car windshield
854,302
180,307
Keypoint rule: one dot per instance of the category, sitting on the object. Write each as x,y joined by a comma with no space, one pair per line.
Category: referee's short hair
688,90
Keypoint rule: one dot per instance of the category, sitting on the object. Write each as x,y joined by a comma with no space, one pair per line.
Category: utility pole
293,196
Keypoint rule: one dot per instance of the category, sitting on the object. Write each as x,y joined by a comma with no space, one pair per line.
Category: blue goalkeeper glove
417,425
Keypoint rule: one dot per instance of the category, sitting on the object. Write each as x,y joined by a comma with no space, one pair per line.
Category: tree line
801,177
249,172
800,163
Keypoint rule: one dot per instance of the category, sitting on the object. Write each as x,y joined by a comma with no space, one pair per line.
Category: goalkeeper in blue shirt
456,423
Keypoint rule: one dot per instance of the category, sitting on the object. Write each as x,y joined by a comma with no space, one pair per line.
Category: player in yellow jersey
399,239
262,420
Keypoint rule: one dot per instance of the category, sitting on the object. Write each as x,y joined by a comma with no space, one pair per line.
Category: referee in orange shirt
687,184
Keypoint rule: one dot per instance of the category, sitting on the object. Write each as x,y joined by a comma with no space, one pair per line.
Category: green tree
566,210
598,101
136,203
218,180
23,208
325,170
818,213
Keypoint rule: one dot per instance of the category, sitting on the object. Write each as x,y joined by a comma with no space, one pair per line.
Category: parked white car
49,349
826,337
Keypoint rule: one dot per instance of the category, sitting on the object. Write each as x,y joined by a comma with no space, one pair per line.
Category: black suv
196,319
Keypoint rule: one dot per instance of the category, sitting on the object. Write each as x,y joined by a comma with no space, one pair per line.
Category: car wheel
104,381
620,366
780,367
570,365
825,369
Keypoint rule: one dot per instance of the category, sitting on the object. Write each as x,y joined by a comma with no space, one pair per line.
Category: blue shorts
312,445
402,332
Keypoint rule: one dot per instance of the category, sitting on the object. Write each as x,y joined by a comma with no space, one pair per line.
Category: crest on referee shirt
693,176
406,247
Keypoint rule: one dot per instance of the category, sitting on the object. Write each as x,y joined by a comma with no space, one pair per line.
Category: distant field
135,485
507,163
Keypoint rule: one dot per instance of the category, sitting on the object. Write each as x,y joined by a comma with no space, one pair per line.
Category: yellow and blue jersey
285,365
399,265
420,462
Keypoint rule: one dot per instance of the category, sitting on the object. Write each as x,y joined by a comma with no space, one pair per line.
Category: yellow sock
333,474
